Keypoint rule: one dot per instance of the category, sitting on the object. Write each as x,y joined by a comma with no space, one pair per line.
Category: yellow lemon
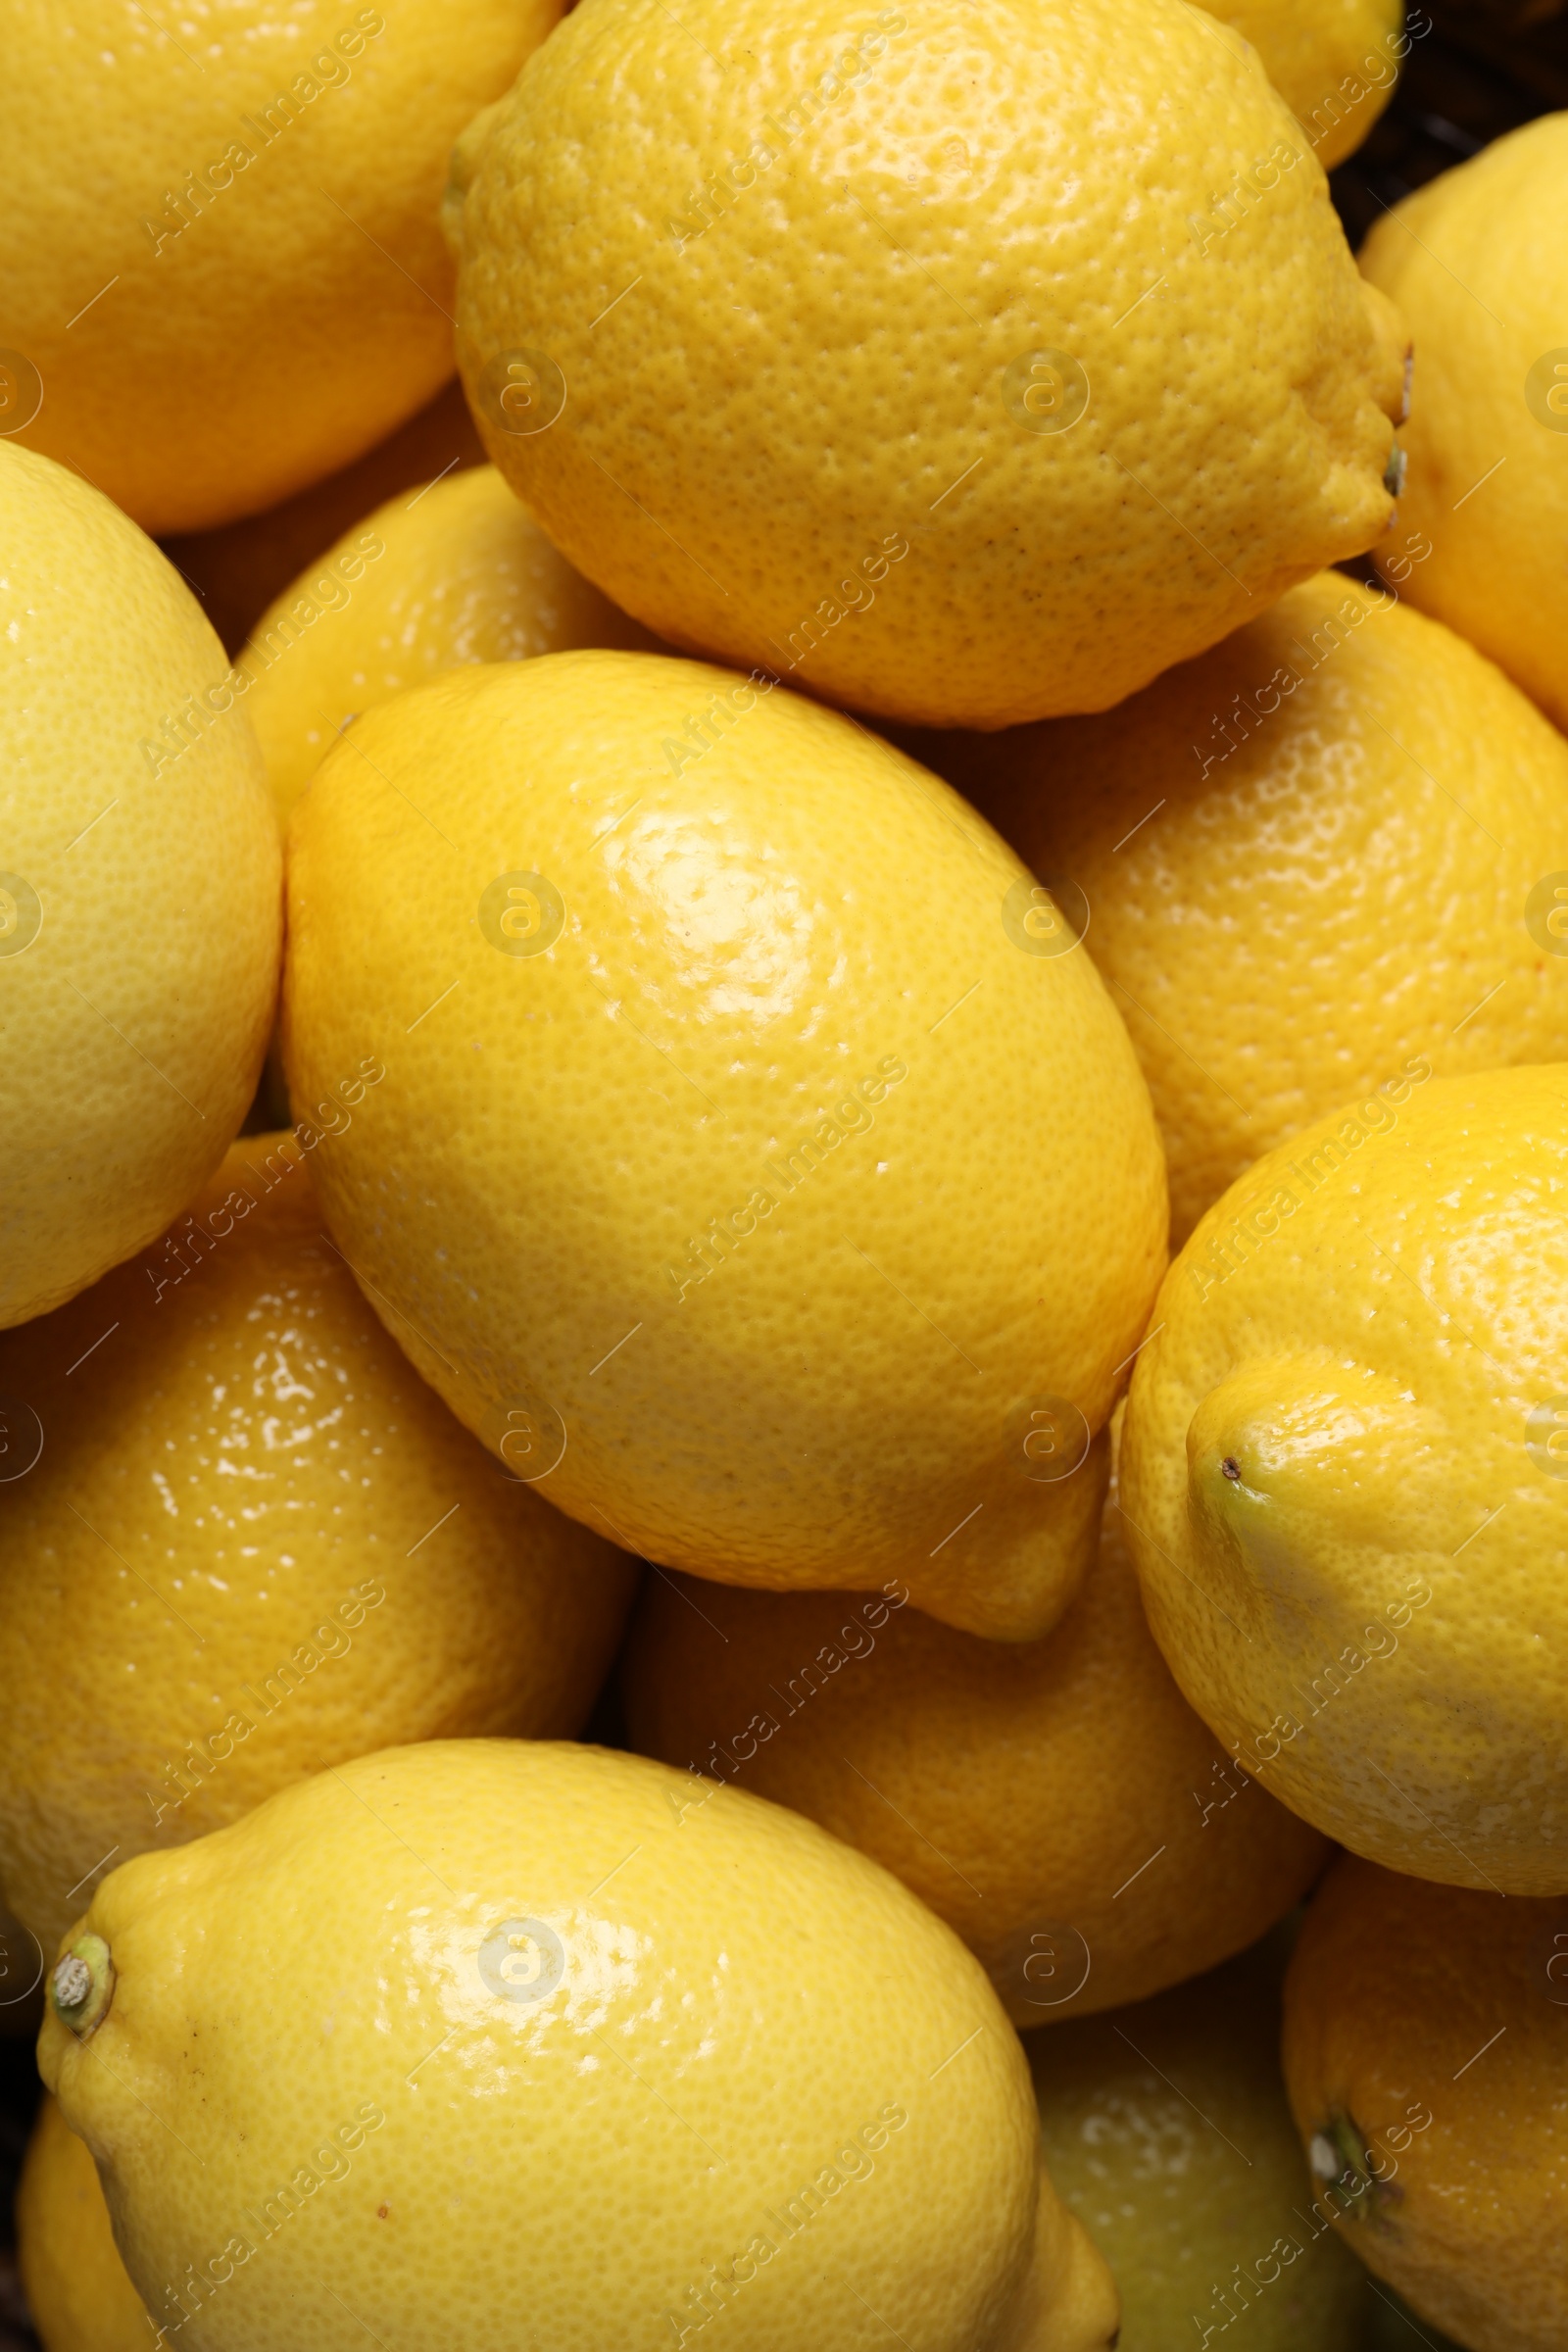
75,2283
224,272
700,1007
453,574
963,365
254,1544
1477,263
1057,1802
1426,2059
720,2065
1345,1464
1312,859
237,568
1334,62
139,913
1167,2131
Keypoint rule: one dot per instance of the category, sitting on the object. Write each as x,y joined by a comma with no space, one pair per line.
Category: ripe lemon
1428,2071
966,367
253,1544
1334,62
1056,1802
340,2039
700,1007
1346,1468
139,914
74,2282
1476,262
1167,2131
1308,858
239,568
224,272
453,573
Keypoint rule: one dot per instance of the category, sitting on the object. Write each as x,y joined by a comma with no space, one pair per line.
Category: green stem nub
82,1984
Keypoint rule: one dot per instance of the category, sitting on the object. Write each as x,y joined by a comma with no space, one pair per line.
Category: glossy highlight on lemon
1342,1464
450,573
1056,1802
1254,834
1430,2095
253,1542
222,262
928,358
695,1000
492,1956
1477,266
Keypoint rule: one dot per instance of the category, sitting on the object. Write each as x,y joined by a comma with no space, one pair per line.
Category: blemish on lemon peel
81,1984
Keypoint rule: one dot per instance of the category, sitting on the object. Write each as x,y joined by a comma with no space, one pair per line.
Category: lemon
328,2059
1057,1802
964,366
1167,2131
453,573
1308,858
224,272
1424,2054
238,568
1476,262
253,1544
139,914
700,1007
1345,1467
75,2283
1334,62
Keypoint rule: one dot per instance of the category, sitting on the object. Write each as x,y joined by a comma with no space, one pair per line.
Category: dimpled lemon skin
1476,262
255,1544
77,2292
257,290
1342,1469
457,574
741,2070
1254,834
1333,62
1167,2131
670,1188
1425,2051
141,914
822,432
1019,1789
